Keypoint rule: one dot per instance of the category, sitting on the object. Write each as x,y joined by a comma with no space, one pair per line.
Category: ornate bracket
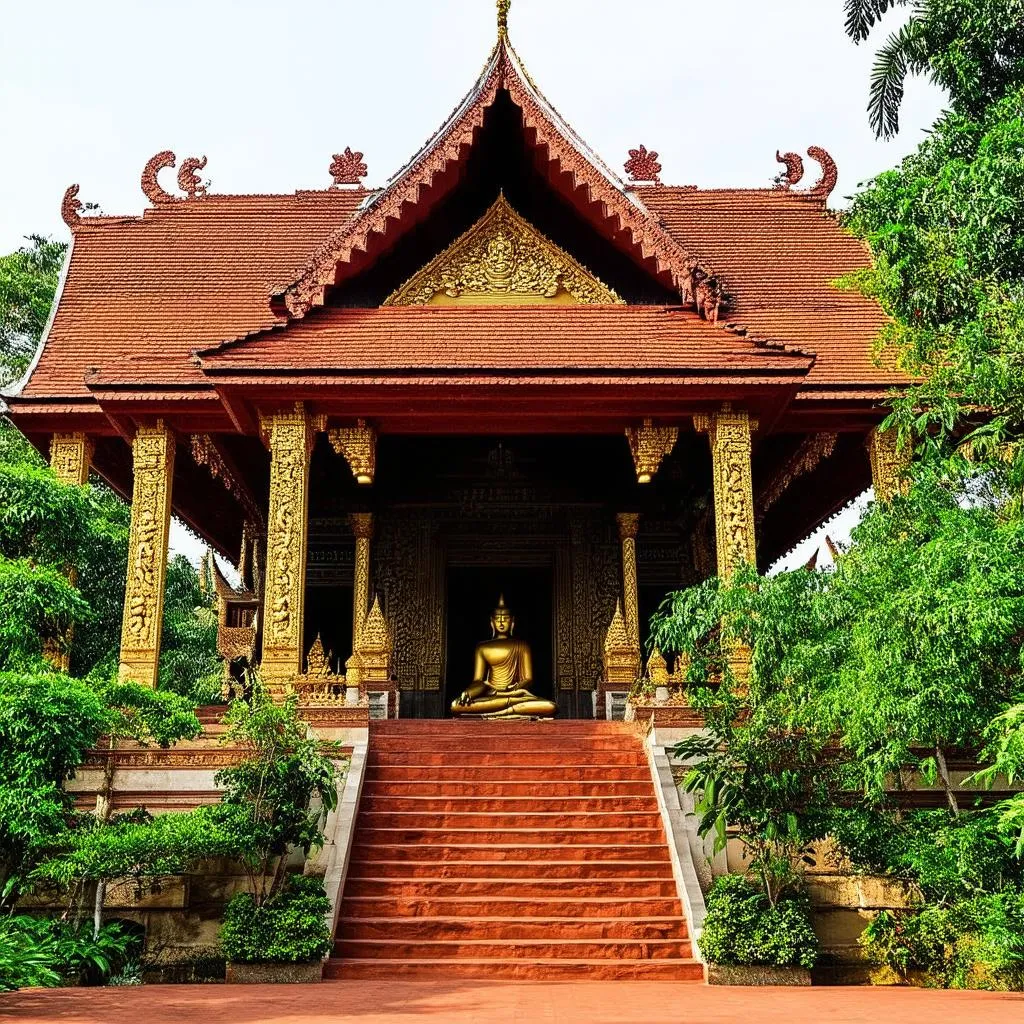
810,454
358,446
649,445
206,452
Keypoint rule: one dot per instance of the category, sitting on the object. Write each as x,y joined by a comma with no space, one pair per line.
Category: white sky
268,91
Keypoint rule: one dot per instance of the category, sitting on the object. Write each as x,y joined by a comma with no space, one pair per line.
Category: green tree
47,723
974,49
28,280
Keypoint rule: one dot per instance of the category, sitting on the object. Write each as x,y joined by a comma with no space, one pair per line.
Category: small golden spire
503,9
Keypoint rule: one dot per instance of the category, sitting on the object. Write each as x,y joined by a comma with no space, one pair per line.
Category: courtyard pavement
454,1002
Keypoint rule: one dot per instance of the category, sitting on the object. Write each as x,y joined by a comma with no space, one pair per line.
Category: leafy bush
744,927
974,944
47,952
290,927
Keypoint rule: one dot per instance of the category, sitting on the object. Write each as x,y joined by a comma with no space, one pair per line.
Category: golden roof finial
503,9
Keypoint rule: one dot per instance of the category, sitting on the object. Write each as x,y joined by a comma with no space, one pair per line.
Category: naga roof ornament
188,179
794,172
504,6
643,166
71,207
348,168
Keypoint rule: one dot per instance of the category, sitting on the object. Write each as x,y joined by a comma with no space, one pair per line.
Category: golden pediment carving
503,260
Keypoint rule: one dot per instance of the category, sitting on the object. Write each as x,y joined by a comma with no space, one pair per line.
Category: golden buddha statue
501,676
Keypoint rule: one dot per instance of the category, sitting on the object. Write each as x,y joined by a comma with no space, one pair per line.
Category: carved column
153,461
629,525
362,527
70,455
729,433
290,436
889,463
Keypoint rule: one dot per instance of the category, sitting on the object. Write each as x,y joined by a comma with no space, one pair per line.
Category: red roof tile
583,339
141,294
780,255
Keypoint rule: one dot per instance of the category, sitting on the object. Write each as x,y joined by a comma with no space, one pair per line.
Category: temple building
508,372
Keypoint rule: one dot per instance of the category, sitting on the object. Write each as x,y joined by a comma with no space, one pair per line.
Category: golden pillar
70,455
153,463
290,436
889,463
729,434
629,526
362,527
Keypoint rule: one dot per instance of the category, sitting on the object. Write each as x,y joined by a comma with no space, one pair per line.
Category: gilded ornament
153,463
318,663
358,446
362,528
291,436
649,446
730,436
503,258
629,526
621,658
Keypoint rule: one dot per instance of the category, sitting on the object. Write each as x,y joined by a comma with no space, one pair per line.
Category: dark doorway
472,596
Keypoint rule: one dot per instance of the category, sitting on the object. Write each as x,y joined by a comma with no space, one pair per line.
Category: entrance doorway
472,595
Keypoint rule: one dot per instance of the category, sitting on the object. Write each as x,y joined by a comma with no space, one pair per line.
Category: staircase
529,850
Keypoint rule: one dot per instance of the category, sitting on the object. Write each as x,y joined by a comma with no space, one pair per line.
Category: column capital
629,525
362,525
70,457
726,421
295,418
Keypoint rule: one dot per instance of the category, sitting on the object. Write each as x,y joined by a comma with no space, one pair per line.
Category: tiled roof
780,255
583,339
141,294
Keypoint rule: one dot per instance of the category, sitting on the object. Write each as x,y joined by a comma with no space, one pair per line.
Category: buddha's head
502,622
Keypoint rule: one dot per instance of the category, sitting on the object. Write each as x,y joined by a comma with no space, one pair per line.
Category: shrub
47,952
973,944
288,928
744,927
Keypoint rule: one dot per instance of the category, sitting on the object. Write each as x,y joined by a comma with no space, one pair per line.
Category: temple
508,370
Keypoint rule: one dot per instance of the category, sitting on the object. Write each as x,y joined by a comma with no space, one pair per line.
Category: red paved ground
620,1002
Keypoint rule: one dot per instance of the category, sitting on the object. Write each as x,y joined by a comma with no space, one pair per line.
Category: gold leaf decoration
503,259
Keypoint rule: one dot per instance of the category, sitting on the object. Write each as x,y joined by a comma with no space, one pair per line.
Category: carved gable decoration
503,260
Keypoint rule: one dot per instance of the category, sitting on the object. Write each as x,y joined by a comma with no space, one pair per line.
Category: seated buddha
502,675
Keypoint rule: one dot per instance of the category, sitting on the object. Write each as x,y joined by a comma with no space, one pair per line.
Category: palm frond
898,58
863,15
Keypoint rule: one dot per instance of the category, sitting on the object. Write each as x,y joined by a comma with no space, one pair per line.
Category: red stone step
373,802
390,728
503,820
426,786
581,869
508,906
446,836
585,746
542,888
517,949
523,761
512,775
520,970
422,928
518,852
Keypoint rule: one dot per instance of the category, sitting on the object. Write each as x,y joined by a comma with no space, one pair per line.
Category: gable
503,260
